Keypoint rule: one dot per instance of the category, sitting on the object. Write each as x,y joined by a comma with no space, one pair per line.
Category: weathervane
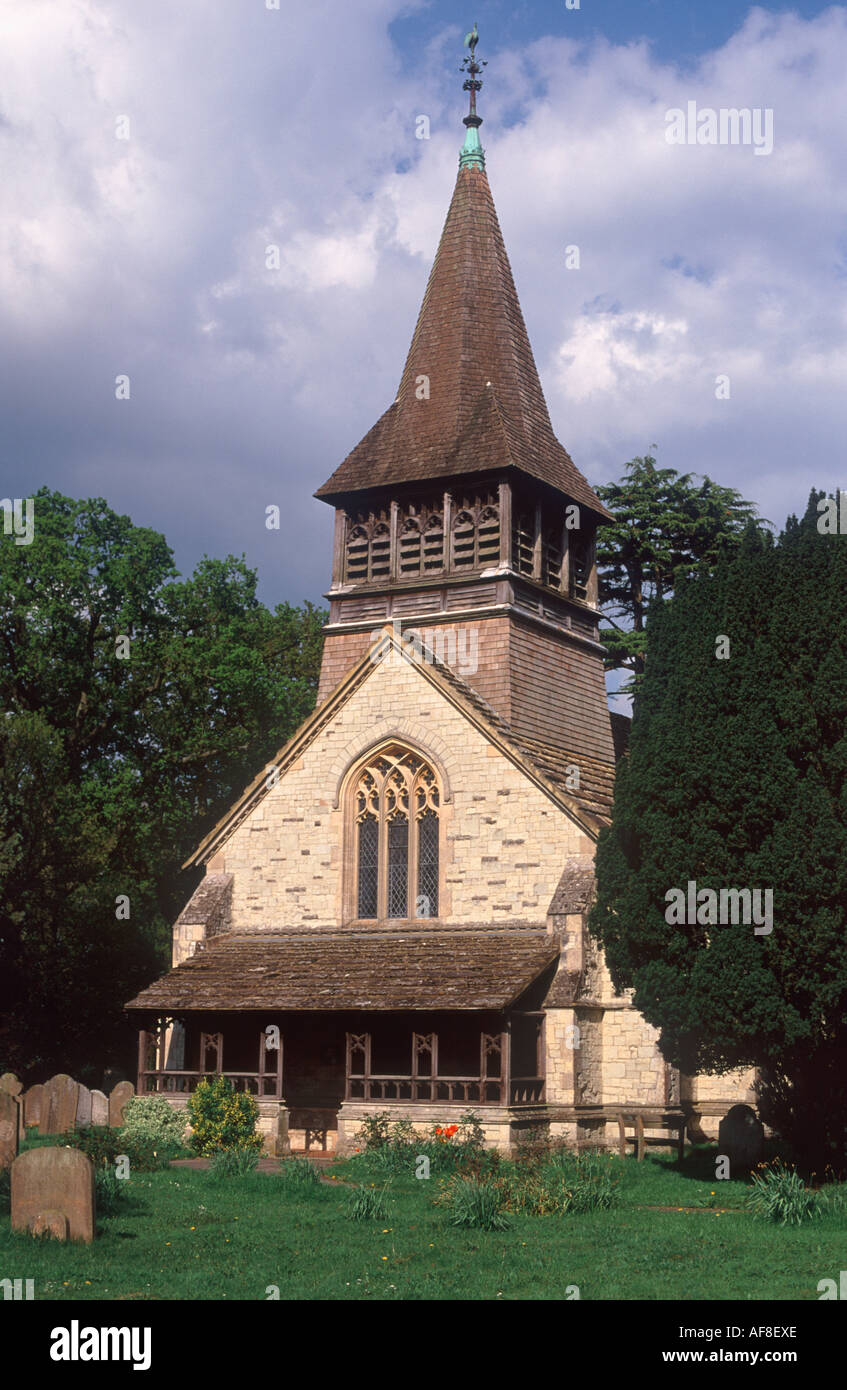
472,154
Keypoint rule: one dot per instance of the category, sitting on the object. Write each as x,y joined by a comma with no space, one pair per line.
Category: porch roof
323,970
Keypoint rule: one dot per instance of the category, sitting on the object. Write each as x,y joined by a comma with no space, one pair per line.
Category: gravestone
83,1108
741,1136
9,1082
8,1129
51,1184
123,1092
99,1108
58,1106
33,1101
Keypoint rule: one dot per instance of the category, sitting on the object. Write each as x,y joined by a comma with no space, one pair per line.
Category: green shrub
222,1118
103,1146
396,1146
369,1203
234,1163
477,1204
299,1173
154,1119
779,1194
5,1189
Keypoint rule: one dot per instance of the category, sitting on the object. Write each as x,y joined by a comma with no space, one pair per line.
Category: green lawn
181,1234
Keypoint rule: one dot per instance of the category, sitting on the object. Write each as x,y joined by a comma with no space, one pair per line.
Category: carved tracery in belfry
396,804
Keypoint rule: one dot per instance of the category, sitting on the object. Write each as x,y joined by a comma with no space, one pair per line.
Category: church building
393,913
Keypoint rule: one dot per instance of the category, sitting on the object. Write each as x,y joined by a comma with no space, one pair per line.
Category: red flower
437,1130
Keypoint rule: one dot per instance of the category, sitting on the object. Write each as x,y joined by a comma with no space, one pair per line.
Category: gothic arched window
395,810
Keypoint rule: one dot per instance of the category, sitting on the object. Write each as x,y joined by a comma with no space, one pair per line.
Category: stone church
393,914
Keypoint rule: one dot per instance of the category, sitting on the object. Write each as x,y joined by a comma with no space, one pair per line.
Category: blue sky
678,31
250,128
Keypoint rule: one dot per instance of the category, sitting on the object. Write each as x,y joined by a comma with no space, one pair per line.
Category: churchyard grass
182,1234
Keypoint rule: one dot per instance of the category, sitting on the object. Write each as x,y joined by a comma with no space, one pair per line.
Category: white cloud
252,127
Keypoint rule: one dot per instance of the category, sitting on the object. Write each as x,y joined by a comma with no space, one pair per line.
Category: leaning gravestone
33,1100
58,1108
83,1108
52,1185
8,1129
123,1092
99,1108
741,1136
9,1082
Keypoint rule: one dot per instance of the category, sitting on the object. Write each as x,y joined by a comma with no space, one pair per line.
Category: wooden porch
510,1069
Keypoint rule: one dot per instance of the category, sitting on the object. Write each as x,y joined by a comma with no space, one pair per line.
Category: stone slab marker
52,1186
33,1101
58,1107
99,1108
9,1082
8,1129
83,1108
121,1093
741,1136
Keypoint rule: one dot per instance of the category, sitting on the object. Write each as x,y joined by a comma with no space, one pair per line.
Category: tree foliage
133,707
737,778
666,527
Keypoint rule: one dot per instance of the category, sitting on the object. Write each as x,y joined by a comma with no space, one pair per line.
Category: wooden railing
526,1090
263,1085
481,1090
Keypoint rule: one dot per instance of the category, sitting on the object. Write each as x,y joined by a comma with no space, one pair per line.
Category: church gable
492,848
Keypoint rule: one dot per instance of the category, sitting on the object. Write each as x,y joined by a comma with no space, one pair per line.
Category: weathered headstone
58,1107
9,1082
33,1103
83,1108
49,1184
99,1108
123,1092
741,1136
8,1129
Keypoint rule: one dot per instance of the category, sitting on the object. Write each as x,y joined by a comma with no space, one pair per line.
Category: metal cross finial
472,83
472,156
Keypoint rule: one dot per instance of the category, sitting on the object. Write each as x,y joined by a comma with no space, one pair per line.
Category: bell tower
460,514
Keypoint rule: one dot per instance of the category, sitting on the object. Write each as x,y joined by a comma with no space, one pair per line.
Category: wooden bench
642,1121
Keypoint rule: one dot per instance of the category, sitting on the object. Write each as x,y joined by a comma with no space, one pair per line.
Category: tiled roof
486,409
322,969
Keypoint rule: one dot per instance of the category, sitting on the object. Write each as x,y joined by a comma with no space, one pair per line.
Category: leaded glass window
368,862
427,899
396,801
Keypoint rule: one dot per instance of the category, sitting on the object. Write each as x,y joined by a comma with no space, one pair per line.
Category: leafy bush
153,1118
234,1163
222,1118
477,1204
396,1146
369,1203
779,1194
104,1145
299,1173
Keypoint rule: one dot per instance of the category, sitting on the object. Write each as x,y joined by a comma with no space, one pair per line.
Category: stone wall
504,840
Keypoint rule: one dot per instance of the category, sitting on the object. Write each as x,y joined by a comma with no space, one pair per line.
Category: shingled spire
460,514
470,398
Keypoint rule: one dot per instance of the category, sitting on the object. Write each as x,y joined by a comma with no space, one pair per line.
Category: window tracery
396,803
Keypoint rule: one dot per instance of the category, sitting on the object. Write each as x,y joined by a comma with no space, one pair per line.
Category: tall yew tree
133,707
737,778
